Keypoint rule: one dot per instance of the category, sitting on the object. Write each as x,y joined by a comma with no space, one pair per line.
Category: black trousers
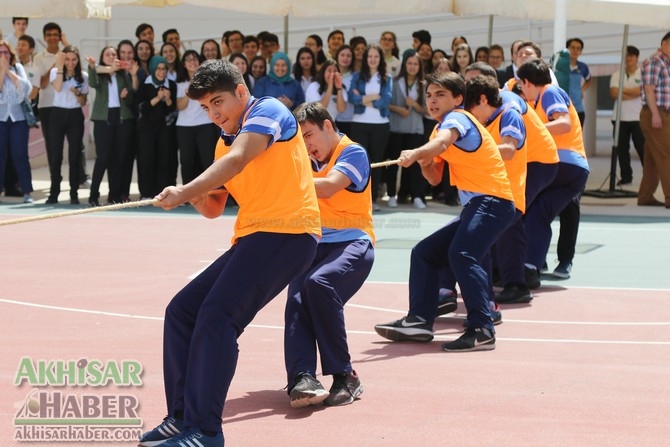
65,123
111,138
196,149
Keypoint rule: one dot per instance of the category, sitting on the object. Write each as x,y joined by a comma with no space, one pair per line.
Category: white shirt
65,98
312,94
114,100
371,115
44,62
192,115
630,108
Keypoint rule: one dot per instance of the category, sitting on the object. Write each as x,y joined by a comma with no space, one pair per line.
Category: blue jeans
14,140
462,246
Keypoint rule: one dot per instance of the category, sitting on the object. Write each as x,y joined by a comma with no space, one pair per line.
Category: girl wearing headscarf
157,98
279,83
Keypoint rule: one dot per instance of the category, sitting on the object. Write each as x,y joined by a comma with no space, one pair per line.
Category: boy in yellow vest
344,257
261,159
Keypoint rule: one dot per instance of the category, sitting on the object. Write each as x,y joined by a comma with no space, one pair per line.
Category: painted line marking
274,327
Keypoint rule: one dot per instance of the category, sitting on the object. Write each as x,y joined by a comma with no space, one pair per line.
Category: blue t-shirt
268,116
511,123
578,76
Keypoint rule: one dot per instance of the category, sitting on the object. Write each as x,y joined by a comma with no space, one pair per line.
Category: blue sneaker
194,438
446,302
169,428
496,317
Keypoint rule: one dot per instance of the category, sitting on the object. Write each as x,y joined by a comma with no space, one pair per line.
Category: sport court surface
585,364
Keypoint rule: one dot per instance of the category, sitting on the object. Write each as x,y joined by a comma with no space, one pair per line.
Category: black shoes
346,389
307,391
513,293
446,302
474,339
409,328
532,278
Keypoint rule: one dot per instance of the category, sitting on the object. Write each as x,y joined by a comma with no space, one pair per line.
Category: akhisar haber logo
48,414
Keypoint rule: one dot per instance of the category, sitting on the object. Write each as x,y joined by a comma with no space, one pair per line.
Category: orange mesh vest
481,171
516,167
571,140
540,144
346,209
275,190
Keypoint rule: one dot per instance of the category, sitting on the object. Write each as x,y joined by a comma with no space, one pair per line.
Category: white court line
582,323
632,289
272,327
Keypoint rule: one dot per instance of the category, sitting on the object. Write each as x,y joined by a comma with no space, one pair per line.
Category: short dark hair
533,45
167,32
422,35
226,37
535,71
27,38
482,85
633,51
315,113
50,26
449,80
250,38
141,28
14,19
335,31
574,39
271,37
511,48
356,40
666,37
216,75
483,68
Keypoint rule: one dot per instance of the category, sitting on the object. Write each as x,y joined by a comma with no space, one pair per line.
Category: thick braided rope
93,209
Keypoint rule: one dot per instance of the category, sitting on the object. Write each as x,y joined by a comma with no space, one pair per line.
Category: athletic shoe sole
302,399
484,347
406,334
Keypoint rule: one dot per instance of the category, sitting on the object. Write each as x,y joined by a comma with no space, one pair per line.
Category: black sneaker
446,302
169,428
346,389
409,328
532,278
307,391
513,293
563,270
474,339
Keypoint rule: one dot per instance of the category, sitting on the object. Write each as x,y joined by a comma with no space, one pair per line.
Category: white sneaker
393,203
419,204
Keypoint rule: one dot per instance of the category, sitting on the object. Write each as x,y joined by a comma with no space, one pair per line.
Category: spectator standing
144,31
70,85
20,25
389,44
251,47
358,45
580,76
631,106
209,50
328,89
196,133
407,108
113,118
315,43
335,41
345,59
14,89
370,93
157,99
280,84
304,69
655,123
